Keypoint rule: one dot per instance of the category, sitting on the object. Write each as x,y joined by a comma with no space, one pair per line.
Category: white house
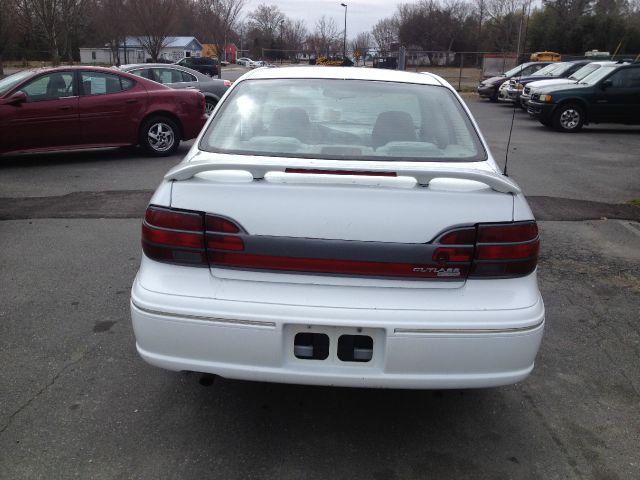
132,51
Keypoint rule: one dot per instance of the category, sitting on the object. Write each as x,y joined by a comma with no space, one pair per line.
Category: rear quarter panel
186,106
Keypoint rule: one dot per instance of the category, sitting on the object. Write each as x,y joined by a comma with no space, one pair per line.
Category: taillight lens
506,250
483,251
174,236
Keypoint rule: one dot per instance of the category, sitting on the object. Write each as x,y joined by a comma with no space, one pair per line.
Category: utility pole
281,44
344,47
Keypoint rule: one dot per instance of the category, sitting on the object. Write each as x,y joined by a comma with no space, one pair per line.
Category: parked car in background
208,66
344,227
244,61
488,88
576,77
558,70
260,63
503,92
88,107
177,76
611,94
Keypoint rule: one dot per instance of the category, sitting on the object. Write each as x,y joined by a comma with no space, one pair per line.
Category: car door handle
66,107
190,87
133,100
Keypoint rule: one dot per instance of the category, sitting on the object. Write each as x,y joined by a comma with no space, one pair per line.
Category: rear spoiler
423,176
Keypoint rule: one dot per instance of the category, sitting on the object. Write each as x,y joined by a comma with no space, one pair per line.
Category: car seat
393,126
291,122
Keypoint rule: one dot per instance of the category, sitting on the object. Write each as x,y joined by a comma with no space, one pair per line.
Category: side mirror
15,99
606,84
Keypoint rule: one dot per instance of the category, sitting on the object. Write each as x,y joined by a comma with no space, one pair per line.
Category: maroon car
88,107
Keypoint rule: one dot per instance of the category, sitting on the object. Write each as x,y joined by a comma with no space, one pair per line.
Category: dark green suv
610,94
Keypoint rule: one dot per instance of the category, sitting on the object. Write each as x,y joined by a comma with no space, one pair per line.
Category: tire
494,96
568,118
209,105
159,136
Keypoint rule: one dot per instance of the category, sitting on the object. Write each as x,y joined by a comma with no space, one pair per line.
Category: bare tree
112,25
295,33
326,37
385,32
46,18
361,45
218,20
7,28
266,19
154,21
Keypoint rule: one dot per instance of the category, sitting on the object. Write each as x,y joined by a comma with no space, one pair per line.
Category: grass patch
635,202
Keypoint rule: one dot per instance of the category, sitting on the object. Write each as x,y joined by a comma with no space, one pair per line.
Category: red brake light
483,251
460,236
224,242
506,250
174,236
517,232
219,224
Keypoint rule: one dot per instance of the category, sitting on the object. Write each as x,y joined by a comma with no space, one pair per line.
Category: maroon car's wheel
160,136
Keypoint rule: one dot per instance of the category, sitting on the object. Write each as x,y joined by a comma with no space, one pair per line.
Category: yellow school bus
545,57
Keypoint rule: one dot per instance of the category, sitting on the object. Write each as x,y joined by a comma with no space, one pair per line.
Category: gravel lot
77,402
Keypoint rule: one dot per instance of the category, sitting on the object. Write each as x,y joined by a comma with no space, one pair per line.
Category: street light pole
344,47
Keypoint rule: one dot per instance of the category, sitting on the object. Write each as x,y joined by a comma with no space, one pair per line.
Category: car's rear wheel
160,136
209,105
568,118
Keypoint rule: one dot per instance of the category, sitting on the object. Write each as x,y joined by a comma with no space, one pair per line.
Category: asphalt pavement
77,402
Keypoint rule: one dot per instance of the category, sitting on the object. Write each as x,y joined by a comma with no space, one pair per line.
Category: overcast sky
362,15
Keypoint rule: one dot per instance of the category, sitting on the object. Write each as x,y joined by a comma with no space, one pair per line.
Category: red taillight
220,234
221,225
174,236
503,233
506,250
483,251
224,242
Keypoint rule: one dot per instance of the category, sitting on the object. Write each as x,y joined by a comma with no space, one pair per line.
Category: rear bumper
411,348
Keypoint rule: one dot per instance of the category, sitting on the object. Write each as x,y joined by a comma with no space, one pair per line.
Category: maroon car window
50,87
98,83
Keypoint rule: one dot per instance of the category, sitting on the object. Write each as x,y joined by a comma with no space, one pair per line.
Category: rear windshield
343,119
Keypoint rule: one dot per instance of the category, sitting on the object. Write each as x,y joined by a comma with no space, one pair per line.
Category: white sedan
244,61
340,226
